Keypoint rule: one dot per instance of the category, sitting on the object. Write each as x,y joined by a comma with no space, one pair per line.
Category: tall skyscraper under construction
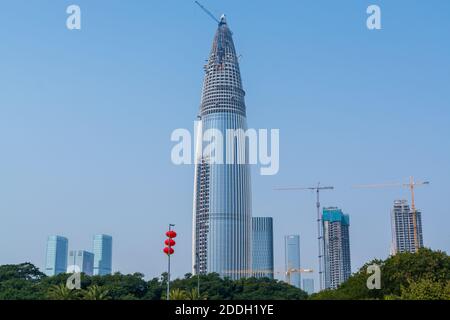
336,239
403,227
222,218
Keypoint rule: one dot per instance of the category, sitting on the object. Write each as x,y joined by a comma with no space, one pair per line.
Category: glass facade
56,258
102,254
336,247
262,253
292,260
222,224
403,227
81,261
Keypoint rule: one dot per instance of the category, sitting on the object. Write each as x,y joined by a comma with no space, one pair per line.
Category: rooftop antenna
207,12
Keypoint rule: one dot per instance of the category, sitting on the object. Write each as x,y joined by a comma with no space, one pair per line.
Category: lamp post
168,250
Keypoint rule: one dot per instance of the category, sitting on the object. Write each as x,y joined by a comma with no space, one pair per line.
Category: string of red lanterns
168,250
170,242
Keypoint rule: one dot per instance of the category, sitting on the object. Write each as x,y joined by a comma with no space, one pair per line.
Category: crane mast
321,246
411,186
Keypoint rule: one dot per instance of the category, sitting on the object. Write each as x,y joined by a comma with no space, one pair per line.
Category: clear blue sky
86,118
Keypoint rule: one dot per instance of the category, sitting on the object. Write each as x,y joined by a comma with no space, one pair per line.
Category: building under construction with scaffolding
403,227
222,215
336,247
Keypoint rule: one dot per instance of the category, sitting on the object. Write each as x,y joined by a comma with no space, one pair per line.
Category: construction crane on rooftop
411,185
317,189
287,273
207,12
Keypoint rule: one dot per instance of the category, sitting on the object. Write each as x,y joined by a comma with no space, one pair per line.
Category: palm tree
195,295
60,292
176,294
95,293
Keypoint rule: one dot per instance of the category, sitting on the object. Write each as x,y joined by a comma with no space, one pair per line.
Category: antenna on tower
207,12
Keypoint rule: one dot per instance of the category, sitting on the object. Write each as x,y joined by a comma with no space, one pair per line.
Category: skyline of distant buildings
336,240
60,260
337,261
226,239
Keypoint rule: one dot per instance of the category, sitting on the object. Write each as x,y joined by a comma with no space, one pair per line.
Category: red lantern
168,250
169,242
171,234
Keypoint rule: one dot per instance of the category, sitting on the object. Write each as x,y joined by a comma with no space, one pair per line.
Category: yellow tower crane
321,245
411,185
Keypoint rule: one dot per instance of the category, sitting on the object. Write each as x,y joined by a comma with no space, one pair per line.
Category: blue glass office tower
81,261
292,259
336,247
222,225
102,254
56,260
262,252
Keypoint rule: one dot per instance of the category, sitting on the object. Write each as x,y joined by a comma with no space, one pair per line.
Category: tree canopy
26,282
423,275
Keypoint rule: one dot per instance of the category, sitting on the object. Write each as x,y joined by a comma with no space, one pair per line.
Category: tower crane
317,189
411,186
207,12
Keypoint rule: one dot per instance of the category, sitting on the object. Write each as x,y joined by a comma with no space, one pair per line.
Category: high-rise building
222,224
56,260
336,247
403,227
81,261
308,286
262,253
102,254
292,259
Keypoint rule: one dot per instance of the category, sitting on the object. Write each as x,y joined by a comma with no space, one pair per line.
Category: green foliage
213,287
266,289
25,271
195,295
176,294
25,281
20,282
421,275
426,289
120,286
402,269
95,292
412,276
60,292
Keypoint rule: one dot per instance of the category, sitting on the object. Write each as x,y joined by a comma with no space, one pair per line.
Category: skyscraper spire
223,75
222,222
